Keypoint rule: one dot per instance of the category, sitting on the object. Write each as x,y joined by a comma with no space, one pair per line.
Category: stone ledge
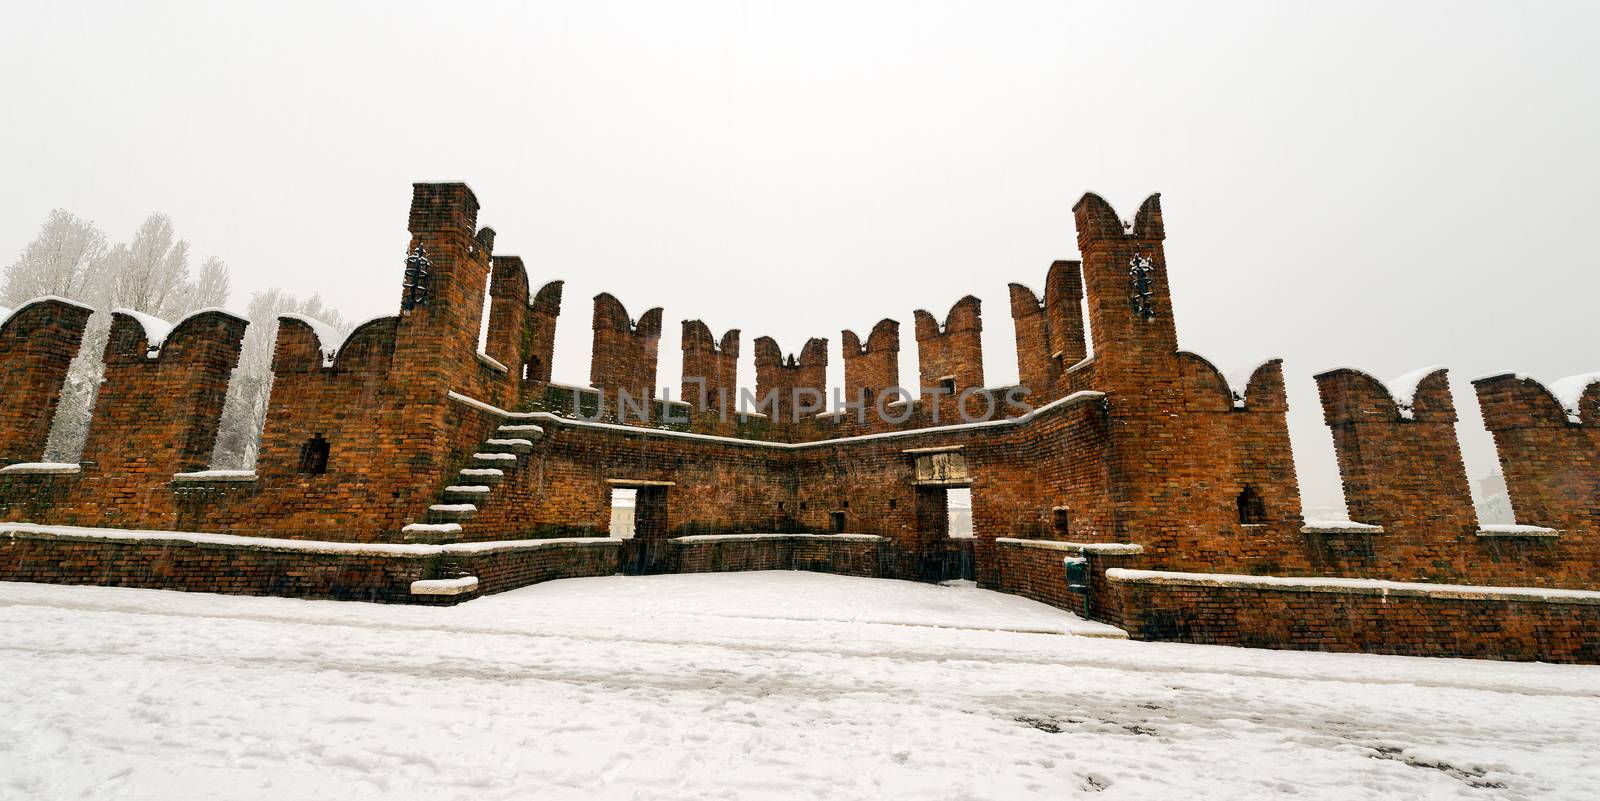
1097,548
1339,527
1514,531
704,538
42,469
454,586
214,475
1348,586
242,542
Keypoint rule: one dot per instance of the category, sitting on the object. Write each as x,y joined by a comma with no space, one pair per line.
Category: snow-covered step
496,460
523,430
451,512
466,493
483,475
431,532
508,445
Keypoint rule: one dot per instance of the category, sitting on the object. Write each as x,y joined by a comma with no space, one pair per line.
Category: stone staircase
500,455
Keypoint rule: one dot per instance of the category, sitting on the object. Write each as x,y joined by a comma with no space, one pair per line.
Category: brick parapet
38,342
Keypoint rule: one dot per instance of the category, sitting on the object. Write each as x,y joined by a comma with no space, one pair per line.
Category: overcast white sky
1384,186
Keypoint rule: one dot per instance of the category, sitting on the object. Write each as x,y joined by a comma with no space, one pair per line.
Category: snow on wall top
328,339
1569,392
1239,380
6,313
1404,389
155,330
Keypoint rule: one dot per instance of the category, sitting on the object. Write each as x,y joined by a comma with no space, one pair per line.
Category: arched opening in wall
314,455
958,512
836,522
1061,521
1252,510
531,369
623,502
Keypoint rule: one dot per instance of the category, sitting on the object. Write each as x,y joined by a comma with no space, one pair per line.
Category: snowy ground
755,685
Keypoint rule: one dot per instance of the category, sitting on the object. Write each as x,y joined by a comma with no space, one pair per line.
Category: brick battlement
405,432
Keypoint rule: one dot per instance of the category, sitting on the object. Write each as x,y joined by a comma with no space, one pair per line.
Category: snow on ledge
1339,527
11,530
1350,586
455,586
697,538
1099,548
1517,530
480,405
216,475
42,468
492,363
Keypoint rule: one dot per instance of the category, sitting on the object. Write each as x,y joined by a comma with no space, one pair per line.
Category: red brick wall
37,343
505,569
1365,620
540,336
844,555
872,367
775,374
951,351
1050,333
710,369
1551,463
624,355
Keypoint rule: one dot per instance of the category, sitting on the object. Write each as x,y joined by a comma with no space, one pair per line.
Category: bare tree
60,261
69,258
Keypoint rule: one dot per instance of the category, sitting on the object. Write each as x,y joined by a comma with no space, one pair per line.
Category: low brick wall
236,565
1034,569
173,563
509,566
1354,615
843,554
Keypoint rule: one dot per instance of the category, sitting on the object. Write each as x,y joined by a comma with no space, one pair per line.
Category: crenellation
402,434
38,342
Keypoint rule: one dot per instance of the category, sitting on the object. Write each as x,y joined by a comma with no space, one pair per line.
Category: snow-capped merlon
328,340
156,330
1401,390
6,312
1404,389
1569,393
1239,380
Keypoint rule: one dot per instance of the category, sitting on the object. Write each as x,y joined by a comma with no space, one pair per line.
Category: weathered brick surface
510,568
1365,621
782,376
1050,333
37,344
872,367
710,369
950,355
843,554
1143,443
625,350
